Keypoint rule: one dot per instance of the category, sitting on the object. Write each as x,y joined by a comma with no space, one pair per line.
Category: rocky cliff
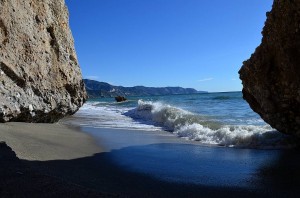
40,79
271,77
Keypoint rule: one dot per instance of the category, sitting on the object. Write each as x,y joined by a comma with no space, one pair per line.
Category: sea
216,119
211,140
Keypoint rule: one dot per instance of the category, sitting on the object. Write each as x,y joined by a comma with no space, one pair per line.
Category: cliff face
271,77
40,79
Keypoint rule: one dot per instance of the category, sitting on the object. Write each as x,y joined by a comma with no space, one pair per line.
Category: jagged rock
40,79
271,77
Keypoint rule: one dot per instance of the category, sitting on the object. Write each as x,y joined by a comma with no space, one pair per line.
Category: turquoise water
223,119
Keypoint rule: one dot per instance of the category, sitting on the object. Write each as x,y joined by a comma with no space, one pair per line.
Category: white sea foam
102,114
205,129
152,116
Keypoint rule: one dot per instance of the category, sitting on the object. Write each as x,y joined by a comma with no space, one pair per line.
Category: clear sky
190,43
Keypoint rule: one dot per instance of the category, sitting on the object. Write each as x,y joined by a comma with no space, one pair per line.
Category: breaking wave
205,129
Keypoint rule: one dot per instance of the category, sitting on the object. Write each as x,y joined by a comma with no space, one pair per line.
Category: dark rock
120,99
271,77
40,79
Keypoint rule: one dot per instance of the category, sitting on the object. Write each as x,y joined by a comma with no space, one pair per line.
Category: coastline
128,167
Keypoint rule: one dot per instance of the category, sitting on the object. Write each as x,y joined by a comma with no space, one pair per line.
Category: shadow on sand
140,171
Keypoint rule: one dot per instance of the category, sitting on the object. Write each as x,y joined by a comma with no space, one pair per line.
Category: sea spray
214,119
169,117
205,129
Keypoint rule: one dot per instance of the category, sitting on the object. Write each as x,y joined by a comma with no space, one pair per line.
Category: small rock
120,99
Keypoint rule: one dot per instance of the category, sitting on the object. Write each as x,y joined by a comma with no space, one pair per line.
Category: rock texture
271,77
40,79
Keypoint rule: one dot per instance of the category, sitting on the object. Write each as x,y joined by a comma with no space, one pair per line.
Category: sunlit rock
40,79
271,77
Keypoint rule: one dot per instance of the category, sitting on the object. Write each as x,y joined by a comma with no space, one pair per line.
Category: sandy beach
23,145
44,142
146,99
99,162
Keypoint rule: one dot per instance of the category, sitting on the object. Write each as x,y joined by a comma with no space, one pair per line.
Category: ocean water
222,119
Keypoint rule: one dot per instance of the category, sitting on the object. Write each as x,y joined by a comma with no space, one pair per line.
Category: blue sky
190,43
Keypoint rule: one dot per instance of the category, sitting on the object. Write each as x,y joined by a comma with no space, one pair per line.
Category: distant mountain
97,89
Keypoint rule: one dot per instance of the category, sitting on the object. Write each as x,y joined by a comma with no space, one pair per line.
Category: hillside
102,89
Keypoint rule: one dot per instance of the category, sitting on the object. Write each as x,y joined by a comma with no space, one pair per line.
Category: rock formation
271,77
120,99
40,79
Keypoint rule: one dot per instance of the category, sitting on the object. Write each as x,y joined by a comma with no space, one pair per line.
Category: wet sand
149,164
187,168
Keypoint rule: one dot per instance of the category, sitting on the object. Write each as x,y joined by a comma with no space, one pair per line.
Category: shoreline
126,163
